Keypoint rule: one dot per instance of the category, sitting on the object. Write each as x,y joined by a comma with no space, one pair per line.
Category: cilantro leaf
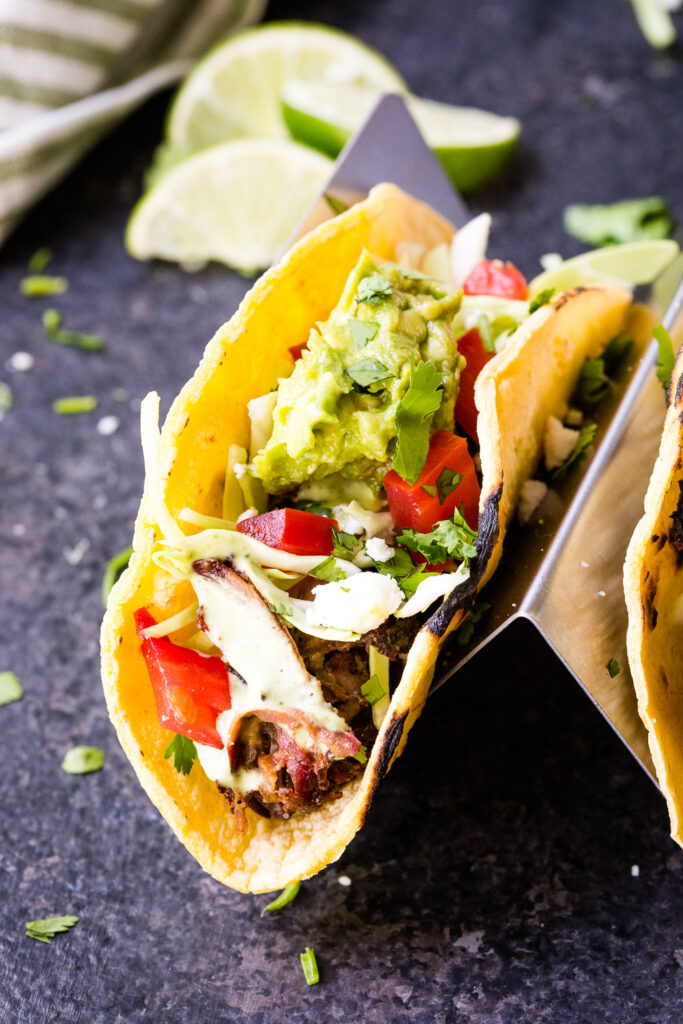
373,288
542,299
361,331
337,206
372,690
287,896
615,350
183,752
345,545
414,416
593,383
631,220
328,571
446,483
82,760
613,667
451,538
583,441
313,506
430,489
465,633
665,357
367,372
45,929
402,568
362,755
115,567
10,688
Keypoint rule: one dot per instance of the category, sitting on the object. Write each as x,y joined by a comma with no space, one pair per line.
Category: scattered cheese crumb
107,425
359,603
19,530
75,554
530,497
347,522
558,442
635,871
379,550
344,880
99,501
584,565
551,260
601,593
20,361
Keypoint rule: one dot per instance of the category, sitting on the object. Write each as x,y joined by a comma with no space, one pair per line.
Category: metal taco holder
562,573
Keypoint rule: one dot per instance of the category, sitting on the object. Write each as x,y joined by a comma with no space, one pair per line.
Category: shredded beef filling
298,780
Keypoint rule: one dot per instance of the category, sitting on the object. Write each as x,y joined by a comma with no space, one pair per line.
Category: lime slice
234,92
632,263
237,203
473,145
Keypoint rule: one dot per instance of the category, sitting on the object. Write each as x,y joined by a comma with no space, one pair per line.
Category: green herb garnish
328,571
594,381
52,320
372,690
183,752
367,372
40,259
82,760
10,688
6,398
414,416
313,506
665,357
542,299
446,483
310,967
583,441
115,567
465,633
429,489
74,405
361,756
287,896
402,568
373,288
39,286
631,220
361,331
336,205
46,929
346,545
613,667
451,538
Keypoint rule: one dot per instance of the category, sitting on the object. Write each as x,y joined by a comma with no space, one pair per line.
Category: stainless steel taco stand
561,575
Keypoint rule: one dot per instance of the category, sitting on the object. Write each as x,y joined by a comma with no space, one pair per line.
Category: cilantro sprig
450,538
402,568
183,752
595,379
578,452
373,288
368,372
414,416
46,928
328,570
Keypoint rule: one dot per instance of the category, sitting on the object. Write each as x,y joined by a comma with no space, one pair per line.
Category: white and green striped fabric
71,69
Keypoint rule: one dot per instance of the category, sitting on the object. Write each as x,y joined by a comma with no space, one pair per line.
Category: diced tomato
414,508
190,688
472,348
297,350
492,277
293,530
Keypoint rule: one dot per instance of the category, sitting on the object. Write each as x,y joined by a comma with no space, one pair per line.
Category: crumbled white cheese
558,442
344,880
361,519
635,870
346,520
75,554
430,589
551,260
107,425
574,418
379,550
359,603
21,362
469,247
530,497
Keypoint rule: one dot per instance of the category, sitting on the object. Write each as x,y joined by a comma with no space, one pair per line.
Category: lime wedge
630,264
237,203
234,92
473,145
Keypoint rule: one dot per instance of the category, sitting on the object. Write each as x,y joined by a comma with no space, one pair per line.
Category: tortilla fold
531,379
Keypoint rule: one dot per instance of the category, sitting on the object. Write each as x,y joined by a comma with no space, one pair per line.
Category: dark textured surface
493,882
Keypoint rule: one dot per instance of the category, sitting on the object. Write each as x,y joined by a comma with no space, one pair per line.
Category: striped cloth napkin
71,69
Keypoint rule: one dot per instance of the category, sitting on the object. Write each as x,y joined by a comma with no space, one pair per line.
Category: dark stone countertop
494,881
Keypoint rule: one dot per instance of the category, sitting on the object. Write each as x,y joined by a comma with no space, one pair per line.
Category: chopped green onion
82,760
613,667
372,690
115,567
361,756
310,967
541,299
655,23
6,398
52,320
286,897
10,688
74,404
336,205
40,259
39,286
665,357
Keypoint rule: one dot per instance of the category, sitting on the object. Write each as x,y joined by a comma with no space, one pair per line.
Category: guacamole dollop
336,413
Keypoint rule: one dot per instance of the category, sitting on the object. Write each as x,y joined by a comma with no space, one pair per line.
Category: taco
653,585
316,522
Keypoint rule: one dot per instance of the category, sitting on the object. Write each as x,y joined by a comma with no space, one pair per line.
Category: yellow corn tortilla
532,378
653,585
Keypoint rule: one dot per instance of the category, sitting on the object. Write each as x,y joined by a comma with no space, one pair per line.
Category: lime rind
629,264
